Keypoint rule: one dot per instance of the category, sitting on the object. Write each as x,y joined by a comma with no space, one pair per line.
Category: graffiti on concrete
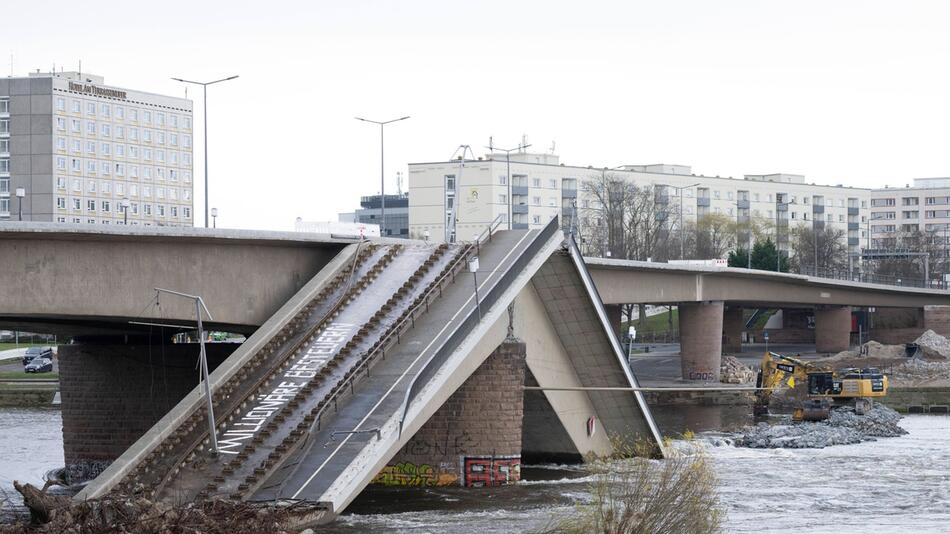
486,471
410,474
447,446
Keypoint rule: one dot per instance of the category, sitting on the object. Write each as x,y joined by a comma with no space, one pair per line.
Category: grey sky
850,92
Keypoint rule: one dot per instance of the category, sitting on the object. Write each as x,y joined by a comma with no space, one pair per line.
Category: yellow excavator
825,386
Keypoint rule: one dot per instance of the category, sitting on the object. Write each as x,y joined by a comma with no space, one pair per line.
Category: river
890,485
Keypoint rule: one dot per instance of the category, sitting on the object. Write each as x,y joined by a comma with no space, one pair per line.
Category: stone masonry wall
474,439
112,394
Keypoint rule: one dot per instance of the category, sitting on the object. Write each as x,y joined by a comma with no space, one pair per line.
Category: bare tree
829,244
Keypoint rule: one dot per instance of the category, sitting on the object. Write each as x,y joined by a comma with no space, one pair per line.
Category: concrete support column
700,326
615,314
113,393
732,327
832,328
474,439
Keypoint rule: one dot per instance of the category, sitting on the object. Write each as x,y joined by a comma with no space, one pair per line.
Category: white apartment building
80,151
925,206
468,195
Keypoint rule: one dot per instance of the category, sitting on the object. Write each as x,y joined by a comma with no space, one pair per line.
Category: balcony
853,211
569,193
662,215
817,208
519,208
781,206
818,225
519,190
702,201
852,241
853,226
742,204
519,226
662,198
743,219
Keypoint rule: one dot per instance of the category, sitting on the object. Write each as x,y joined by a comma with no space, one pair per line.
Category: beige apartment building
74,150
461,198
923,206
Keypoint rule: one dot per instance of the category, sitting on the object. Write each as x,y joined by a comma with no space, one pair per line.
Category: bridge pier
732,326
615,314
832,328
112,393
700,326
474,439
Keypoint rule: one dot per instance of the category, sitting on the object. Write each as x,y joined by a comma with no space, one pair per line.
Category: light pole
382,169
125,210
204,86
507,152
682,235
20,193
214,217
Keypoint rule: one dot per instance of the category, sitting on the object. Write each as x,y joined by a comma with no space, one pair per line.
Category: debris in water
843,427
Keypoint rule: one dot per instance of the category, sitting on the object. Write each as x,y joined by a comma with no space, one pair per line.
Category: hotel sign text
98,91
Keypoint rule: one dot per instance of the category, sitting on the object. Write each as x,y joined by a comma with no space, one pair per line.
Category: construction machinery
826,387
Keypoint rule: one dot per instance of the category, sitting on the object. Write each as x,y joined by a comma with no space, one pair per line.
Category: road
661,365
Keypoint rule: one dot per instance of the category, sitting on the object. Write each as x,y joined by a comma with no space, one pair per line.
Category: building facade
79,151
370,213
459,199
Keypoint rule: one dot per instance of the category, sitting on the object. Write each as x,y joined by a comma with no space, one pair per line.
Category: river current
890,485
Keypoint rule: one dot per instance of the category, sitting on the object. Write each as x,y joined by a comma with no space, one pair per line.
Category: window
146,191
173,120
106,149
77,204
535,182
5,205
76,106
133,151
90,127
77,185
91,166
60,219
90,108
729,195
135,208
134,114
119,112
4,126
90,205
133,190
160,156
161,210
120,151
186,142
174,211
60,104
160,192
186,212
160,137
187,122
119,169
120,189
75,164
147,154
60,144
536,201
4,105
134,171
105,110
146,135
173,139
76,145
91,186
106,206
186,194
147,210
61,124
147,117
160,119
106,168
106,187
147,173
716,194
91,147
552,183
60,182
5,185
75,125
134,134
502,199
106,130
119,132
536,219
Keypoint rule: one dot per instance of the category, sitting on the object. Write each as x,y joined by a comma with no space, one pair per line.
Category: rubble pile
731,371
916,371
933,345
842,427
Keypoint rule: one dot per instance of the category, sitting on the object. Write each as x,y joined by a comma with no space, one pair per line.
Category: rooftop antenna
490,144
552,147
524,141
399,182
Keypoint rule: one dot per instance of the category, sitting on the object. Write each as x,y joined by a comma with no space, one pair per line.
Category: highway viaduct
277,288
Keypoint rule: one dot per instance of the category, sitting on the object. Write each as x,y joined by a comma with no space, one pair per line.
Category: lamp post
20,193
382,169
507,152
214,217
682,235
125,210
204,86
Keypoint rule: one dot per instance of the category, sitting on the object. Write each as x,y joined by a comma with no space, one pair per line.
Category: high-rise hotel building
74,150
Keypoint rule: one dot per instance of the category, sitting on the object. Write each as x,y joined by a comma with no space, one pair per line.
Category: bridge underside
330,391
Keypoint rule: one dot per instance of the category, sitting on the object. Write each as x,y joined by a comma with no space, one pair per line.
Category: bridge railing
872,278
438,358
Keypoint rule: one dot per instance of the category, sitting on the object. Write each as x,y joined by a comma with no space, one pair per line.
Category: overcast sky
850,92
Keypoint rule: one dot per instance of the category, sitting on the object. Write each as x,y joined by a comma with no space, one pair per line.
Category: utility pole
682,233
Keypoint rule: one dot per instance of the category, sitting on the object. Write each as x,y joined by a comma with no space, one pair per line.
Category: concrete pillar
832,328
615,314
113,393
474,439
700,326
732,326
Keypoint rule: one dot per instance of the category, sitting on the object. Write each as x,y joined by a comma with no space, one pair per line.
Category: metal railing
441,354
871,278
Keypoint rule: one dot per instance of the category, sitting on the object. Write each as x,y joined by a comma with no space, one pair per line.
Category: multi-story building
897,212
462,197
80,151
370,213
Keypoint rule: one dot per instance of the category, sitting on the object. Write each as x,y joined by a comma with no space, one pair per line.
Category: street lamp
204,86
214,217
125,210
507,152
682,235
382,168
20,193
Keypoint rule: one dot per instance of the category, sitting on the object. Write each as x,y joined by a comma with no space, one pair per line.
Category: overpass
711,299
381,352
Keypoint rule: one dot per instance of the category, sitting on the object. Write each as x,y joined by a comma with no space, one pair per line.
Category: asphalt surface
660,367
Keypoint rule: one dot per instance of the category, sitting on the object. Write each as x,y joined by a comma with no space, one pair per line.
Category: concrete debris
933,345
842,427
731,371
919,370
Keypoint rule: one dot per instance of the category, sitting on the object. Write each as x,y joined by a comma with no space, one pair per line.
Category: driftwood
137,515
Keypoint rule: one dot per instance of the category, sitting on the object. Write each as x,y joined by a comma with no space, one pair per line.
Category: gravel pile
934,345
731,371
917,370
842,427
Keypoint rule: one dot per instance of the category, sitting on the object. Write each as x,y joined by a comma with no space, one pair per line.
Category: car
34,352
39,365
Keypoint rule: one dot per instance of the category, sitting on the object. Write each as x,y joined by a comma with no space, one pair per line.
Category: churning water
890,485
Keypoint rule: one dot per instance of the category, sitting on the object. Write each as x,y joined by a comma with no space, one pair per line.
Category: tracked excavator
826,387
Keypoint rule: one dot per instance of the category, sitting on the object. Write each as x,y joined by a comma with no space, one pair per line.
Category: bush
676,495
